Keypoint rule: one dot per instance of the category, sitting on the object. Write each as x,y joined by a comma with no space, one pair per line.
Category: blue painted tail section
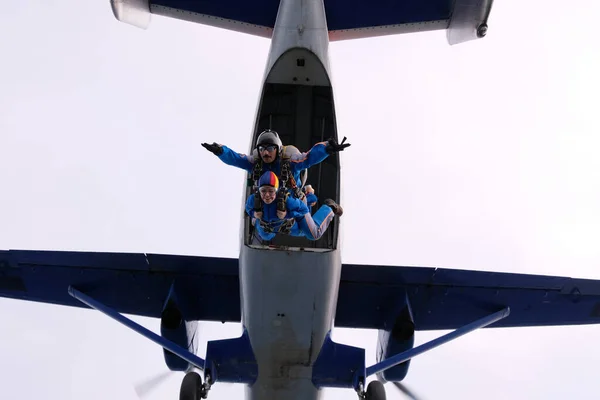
346,19
339,365
360,14
341,14
232,360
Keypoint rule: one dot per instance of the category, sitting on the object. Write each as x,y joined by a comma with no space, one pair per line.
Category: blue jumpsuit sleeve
295,208
239,160
250,205
311,199
314,156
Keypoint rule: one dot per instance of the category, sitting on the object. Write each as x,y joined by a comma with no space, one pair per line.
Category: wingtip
132,12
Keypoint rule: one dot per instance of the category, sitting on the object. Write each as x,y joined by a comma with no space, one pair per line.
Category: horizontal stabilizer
355,19
448,299
346,19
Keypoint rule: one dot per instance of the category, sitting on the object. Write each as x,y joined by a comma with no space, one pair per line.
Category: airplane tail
463,20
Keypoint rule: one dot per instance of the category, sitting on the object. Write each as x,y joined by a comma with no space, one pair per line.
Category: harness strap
257,201
267,227
257,170
282,195
286,227
286,178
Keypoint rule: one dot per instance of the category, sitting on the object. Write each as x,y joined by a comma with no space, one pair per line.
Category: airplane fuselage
289,295
288,300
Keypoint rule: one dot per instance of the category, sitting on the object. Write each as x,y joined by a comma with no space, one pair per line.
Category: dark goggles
268,147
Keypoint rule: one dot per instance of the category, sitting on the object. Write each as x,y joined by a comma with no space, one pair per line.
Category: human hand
214,148
334,147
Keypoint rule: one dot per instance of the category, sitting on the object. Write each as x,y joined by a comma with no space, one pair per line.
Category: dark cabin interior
302,115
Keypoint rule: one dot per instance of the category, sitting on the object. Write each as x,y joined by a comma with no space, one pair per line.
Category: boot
337,209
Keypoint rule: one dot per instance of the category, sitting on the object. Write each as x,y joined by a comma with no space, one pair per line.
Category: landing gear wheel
375,391
191,387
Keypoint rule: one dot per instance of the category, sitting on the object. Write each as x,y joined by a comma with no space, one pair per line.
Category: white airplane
290,293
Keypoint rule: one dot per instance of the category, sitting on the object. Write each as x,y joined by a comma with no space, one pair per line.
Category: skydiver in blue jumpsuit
295,220
269,148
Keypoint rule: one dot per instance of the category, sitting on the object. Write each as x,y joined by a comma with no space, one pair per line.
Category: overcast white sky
490,149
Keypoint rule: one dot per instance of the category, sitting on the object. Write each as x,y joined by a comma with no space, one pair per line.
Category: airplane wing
137,284
448,298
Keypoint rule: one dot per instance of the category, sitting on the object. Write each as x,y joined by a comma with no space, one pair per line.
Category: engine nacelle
400,338
175,328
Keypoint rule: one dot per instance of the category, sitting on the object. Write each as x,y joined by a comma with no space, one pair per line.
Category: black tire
191,387
375,391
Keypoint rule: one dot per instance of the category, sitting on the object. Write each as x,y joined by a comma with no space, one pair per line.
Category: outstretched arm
230,157
316,154
312,157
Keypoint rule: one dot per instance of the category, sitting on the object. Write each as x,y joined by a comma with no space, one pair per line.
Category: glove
214,148
334,147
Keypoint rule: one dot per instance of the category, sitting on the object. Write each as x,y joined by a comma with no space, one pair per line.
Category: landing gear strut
192,387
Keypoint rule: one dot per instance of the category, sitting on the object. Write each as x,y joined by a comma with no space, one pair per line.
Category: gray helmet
269,137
